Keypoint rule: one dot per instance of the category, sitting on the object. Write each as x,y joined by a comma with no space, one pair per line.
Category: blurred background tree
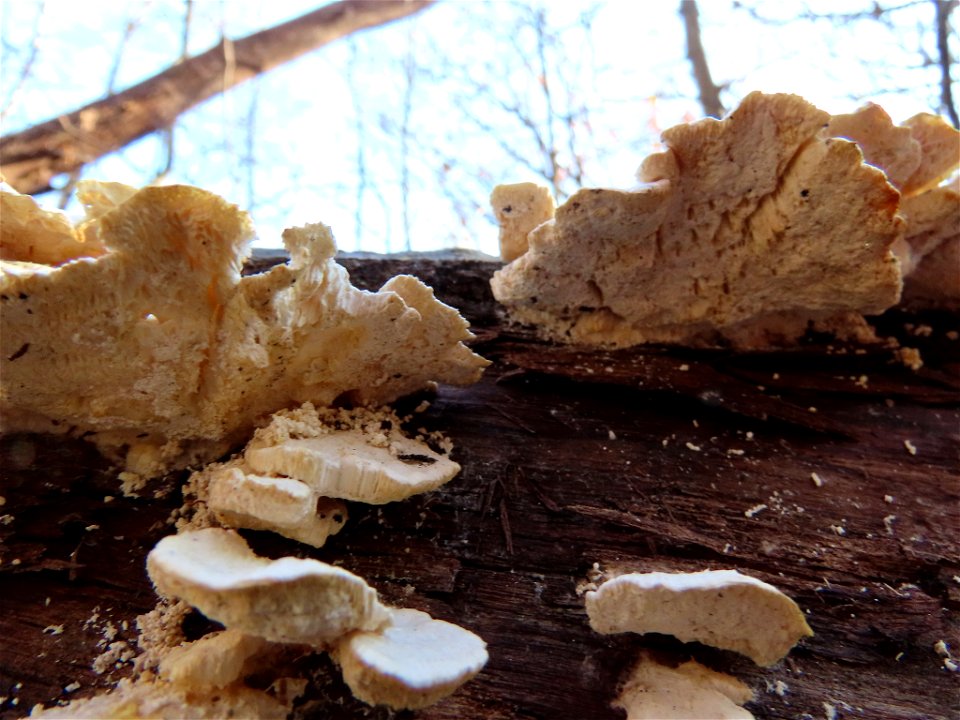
395,135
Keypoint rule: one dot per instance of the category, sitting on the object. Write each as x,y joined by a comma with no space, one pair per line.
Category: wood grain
629,459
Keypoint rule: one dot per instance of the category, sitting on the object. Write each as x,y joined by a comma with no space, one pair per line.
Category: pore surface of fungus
159,347
748,230
722,608
411,662
288,600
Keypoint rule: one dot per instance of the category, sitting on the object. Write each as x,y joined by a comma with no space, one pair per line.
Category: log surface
578,464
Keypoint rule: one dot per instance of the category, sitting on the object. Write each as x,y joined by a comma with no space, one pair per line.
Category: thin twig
28,63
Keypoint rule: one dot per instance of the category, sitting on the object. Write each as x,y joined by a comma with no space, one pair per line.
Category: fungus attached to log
721,608
288,600
159,348
410,663
749,230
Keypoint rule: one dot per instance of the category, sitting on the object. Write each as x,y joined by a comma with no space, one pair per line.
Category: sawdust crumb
888,523
131,483
910,357
755,510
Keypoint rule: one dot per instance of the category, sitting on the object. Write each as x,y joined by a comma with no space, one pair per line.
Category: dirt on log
829,471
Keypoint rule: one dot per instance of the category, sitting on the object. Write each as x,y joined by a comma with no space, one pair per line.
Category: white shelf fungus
350,465
721,608
410,663
748,230
159,345
288,507
691,691
288,600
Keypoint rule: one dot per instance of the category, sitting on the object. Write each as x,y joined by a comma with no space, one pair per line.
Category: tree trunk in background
709,92
944,8
31,158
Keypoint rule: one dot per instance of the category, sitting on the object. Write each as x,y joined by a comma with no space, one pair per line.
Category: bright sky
288,146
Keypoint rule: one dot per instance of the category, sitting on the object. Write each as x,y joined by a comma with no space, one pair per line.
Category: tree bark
31,158
709,92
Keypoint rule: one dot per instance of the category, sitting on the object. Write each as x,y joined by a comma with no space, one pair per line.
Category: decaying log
828,471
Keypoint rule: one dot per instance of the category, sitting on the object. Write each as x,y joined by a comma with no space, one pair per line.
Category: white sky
310,116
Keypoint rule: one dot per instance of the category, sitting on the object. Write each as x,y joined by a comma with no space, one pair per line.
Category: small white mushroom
689,692
287,600
350,466
412,662
721,608
283,505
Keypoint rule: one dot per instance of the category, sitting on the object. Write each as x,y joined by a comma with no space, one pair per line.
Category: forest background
392,120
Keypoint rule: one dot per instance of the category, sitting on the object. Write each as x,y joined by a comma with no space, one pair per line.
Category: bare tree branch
944,8
876,12
709,92
28,63
31,158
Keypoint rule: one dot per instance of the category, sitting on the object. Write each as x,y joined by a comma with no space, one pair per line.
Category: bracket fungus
349,465
289,600
917,156
519,209
295,474
411,662
690,691
397,657
288,507
748,231
160,349
722,608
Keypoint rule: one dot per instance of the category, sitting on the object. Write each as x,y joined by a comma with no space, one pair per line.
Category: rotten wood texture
31,158
828,471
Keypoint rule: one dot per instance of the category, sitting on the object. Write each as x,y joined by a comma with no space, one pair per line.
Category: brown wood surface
570,458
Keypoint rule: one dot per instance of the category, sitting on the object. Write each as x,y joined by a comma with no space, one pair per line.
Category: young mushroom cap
350,466
289,600
721,608
283,505
691,691
412,662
